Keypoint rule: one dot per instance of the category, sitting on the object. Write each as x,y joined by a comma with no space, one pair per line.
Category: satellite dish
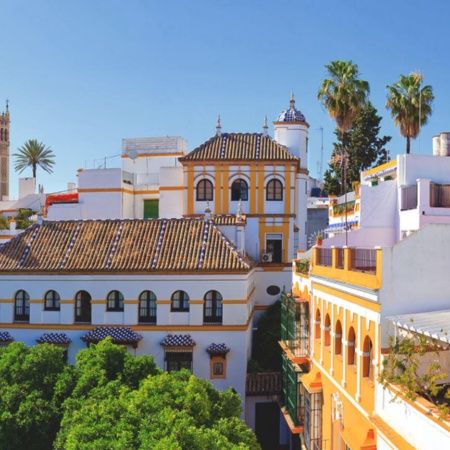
133,154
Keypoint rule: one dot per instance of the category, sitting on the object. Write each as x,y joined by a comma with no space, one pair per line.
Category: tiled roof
264,383
224,219
122,245
54,338
118,335
5,337
181,340
217,349
292,114
240,146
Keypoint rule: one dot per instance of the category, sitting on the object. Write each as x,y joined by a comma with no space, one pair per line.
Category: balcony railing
360,266
294,324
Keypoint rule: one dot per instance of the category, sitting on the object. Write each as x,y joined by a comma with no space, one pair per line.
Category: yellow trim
36,301
149,155
388,165
66,302
261,190
163,302
217,188
6,300
287,192
191,190
131,302
98,302
171,188
253,190
260,308
234,302
225,191
196,302
153,192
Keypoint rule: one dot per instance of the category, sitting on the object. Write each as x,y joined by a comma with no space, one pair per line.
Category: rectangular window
177,360
313,420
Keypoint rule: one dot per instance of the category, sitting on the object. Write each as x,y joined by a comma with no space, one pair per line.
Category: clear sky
81,75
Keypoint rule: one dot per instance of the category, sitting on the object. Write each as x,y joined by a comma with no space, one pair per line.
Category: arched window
239,190
367,357
180,301
204,190
52,301
115,301
274,190
147,307
83,307
22,307
338,338
317,324
351,346
212,309
327,330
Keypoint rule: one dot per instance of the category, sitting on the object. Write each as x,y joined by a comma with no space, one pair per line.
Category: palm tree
343,95
410,105
34,153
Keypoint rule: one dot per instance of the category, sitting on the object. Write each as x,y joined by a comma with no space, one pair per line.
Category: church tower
4,153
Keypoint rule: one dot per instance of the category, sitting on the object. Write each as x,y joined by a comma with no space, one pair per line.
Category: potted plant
319,239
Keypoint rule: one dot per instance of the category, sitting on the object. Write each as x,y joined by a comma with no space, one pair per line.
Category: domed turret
292,114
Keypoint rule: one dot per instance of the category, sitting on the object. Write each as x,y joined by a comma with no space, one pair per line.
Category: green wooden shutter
151,209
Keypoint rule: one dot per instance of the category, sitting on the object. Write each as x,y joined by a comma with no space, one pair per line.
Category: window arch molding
114,301
147,307
274,190
22,306
180,301
239,188
317,333
327,331
367,358
83,307
51,301
204,190
351,343
338,338
212,307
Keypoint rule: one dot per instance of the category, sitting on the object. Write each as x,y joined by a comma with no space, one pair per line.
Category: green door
151,209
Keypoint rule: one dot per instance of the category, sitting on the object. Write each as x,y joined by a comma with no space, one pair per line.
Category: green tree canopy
117,405
33,154
34,381
365,149
410,105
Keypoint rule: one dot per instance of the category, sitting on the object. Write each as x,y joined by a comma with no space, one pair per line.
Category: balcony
359,266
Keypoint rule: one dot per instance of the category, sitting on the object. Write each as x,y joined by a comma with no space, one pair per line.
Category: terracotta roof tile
122,245
240,146
54,338
178,340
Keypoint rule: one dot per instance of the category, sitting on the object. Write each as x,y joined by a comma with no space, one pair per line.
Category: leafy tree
4,222
33,383
404,368
266,350
364,150
343,95
23,218
33,154
121,401
410,105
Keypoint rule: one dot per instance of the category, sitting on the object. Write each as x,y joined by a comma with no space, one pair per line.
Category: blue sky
81,75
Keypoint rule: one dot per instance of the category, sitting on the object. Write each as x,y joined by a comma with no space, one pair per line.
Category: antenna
133,154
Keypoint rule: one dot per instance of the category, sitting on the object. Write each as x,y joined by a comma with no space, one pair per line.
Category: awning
217,350
181,340
119,335
435,324
5,337
54,338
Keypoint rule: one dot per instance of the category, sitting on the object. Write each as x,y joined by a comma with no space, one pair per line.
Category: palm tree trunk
34,170
408,145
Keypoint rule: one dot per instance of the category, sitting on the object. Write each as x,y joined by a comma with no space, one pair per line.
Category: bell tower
4,153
